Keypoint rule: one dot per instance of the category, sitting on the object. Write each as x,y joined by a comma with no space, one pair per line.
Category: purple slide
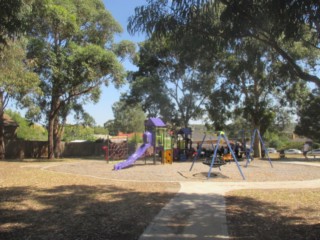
141,150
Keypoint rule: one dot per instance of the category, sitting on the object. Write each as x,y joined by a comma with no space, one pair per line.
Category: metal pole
233,155
198,152
214,155
264,148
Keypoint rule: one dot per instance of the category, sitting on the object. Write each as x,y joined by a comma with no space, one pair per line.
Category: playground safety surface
256,171
197,211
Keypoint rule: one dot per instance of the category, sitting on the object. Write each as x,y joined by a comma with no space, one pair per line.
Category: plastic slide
131,160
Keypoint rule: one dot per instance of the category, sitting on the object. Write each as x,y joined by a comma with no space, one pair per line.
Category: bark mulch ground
86,199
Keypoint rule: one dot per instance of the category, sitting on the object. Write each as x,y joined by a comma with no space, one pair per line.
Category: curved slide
131,160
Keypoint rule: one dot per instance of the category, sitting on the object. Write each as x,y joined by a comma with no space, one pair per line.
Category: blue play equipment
257,132
214,159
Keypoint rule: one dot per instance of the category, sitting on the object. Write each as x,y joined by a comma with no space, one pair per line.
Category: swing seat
227,157
217,163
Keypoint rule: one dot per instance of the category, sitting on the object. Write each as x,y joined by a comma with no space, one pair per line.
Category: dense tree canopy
171,82
127,119
309,122
17,82
281,25
72,42
13,19
261,50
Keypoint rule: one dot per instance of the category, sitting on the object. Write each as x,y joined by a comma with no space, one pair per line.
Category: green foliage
295,145
125,48
170,82
289,28
78,132
309,122
17,82
136,139
100,130
12,19
72,44
27,130
128,119
111,127
315,145
276,140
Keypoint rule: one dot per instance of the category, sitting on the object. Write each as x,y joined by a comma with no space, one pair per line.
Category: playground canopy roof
155,122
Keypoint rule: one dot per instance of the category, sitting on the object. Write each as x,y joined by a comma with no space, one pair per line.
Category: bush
295,145
136,138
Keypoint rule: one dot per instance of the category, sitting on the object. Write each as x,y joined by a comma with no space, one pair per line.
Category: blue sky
121,10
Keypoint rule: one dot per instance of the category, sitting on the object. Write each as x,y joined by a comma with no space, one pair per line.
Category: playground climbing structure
155,136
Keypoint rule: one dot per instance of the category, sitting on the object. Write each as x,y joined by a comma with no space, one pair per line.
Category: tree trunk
2,145
58,134
50,137
257,144
51,128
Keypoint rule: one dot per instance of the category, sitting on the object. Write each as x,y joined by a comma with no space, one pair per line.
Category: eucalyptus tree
13,19
72,42
309,118
17,82
128,118
171,81
281,25
257,86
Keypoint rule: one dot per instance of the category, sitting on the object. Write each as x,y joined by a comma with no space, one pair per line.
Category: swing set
217,162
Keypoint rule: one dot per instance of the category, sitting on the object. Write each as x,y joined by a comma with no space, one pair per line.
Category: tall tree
309,118
73,44
281,25
128,119
12,19
174,83
17,82
256,85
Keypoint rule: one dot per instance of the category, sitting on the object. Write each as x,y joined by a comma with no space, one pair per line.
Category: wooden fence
20,149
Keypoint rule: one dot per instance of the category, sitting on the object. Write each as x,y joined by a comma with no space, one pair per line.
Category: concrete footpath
198,210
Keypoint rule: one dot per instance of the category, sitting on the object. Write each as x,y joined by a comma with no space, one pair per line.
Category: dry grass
274,214
36,204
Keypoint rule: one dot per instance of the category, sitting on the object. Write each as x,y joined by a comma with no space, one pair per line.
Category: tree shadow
77,212
249,218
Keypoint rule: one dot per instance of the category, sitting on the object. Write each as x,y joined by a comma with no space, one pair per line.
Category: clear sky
121,10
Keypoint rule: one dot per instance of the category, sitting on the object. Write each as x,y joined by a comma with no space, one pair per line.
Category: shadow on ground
249,218
76,212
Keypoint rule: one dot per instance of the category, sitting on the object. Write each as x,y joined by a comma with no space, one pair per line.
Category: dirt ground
256,171
86,199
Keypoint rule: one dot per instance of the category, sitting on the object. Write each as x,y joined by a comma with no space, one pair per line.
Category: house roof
8,122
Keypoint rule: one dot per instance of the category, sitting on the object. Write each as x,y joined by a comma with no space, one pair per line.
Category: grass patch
274,214
36,204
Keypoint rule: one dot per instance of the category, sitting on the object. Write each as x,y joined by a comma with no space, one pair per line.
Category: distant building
10,127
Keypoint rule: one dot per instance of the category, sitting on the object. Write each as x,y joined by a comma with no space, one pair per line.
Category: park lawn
37,204
274,214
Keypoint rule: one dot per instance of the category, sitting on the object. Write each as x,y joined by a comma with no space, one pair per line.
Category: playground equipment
116,148
147,139
184,144
257,132
214,161
162,141
155,136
